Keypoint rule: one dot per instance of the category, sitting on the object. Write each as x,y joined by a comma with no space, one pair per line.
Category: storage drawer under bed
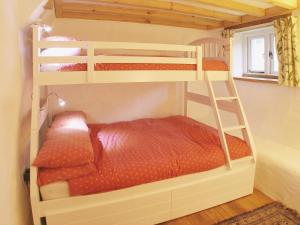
151,208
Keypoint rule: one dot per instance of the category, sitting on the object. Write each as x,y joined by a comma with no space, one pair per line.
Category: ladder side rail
219,122
242,116
241,119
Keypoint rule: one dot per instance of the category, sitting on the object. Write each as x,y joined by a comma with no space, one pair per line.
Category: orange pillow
49,175
65,148
214,65
64,132
70,119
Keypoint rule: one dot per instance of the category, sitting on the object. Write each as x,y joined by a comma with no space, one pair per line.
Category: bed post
230,55
34,144
199,63
90,57
185,100
185,85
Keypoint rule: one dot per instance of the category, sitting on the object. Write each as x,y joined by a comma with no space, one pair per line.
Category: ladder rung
226,98
234,128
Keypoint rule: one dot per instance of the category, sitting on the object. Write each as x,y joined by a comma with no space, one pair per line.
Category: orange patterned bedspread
207,65
147,150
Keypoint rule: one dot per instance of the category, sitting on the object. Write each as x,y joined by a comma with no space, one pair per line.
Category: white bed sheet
55,190
278,172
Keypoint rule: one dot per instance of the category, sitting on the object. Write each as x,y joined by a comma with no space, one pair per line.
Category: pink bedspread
147,150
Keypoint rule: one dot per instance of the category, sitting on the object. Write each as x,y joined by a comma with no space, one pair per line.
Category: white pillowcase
58,52
61,52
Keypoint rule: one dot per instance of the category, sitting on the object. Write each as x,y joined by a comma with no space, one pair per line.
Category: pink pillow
65,148
47,176
70,119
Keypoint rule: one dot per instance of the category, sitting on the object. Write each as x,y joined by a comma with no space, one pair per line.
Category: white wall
238,59
124,31
113,102
273,111
15,106
33,11
116,102
274,115
14,205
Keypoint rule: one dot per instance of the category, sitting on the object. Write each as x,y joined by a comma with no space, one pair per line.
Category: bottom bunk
145,171
154,202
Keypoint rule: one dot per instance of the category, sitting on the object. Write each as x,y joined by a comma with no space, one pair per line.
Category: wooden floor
222,212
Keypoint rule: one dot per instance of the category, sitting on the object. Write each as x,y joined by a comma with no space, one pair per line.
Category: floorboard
224,211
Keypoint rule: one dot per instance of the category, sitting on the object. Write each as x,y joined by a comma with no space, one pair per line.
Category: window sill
256,79
265,76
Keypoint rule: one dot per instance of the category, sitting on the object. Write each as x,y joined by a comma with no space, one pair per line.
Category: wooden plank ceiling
199,14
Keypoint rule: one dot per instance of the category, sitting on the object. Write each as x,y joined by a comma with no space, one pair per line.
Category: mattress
147,150
278,172
207,65
55,190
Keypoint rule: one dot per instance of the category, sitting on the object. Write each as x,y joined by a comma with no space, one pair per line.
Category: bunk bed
154,201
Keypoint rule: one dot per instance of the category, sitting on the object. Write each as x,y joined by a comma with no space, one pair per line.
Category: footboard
215,49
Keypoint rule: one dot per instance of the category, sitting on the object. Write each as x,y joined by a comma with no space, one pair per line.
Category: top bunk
60,60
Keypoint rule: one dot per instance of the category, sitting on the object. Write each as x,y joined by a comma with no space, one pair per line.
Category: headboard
213,48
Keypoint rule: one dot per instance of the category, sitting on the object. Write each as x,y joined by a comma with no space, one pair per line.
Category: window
256,55
260,57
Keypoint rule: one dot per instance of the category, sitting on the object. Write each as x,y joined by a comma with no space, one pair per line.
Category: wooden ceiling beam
271,14
143,13
236,6
131,18
287,4
168,13
175,7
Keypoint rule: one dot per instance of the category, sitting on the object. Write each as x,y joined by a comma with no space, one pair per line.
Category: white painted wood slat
61,59
130,59
143,76
62,44
143,46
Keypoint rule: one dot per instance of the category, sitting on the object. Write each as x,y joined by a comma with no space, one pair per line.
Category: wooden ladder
243,123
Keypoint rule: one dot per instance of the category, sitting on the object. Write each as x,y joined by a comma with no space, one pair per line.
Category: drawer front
116,212
211,192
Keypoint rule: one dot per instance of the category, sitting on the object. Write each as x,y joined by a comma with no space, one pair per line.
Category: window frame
273,46
268,35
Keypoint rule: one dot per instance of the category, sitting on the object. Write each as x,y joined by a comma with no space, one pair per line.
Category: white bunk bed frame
154,202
